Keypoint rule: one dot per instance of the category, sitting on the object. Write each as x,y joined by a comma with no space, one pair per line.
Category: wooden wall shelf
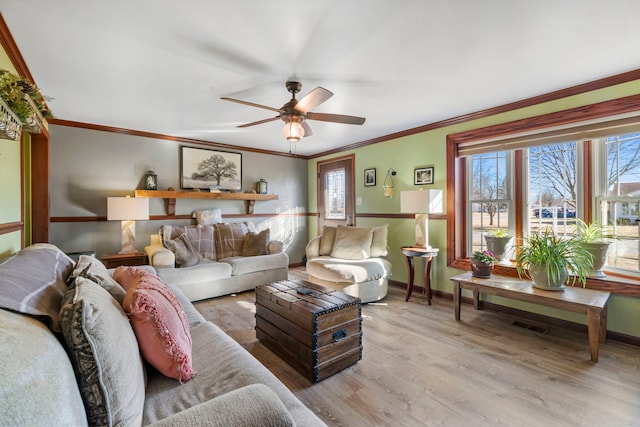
171,197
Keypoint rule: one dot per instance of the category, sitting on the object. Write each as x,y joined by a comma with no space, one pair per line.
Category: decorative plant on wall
23,97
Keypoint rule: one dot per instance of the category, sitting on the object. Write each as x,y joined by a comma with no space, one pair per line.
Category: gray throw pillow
93,269
104,354
186,255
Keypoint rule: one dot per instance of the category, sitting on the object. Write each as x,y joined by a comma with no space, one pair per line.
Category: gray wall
87,166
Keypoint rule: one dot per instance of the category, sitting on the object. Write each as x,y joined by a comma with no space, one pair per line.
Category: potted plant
482,264
592,237
546,259
497,241
24,99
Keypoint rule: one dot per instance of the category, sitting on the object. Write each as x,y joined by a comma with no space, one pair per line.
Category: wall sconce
388,183
128,210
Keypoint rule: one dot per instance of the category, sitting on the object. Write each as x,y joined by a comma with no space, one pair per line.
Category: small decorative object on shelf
261,186
150,181
482,264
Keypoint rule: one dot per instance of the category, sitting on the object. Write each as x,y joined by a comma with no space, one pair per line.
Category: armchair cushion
352,243
326,240
379,241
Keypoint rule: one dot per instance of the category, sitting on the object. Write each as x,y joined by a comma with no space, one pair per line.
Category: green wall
429,149
10,198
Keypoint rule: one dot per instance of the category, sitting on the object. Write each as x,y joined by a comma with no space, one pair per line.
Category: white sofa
228,258
350,259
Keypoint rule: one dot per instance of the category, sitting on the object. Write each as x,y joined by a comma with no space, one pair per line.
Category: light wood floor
422,368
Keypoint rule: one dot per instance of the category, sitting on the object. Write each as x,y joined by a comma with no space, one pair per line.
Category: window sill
614,283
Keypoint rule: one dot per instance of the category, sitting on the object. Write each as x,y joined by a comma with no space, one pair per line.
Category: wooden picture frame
422,176
370,177
222,173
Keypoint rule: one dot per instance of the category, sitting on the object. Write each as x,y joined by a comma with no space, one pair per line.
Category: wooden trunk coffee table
317,330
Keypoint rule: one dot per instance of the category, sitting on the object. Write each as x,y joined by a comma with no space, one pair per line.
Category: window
549,178
489,205
620,199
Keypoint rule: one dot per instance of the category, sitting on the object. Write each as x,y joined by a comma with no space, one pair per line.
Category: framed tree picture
423,176
210,169
370,177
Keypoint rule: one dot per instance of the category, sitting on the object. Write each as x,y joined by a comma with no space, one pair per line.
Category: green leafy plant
555,255
486,257
13,90
499,232
589,233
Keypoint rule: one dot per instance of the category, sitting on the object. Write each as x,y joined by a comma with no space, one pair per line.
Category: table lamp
128,210
421,203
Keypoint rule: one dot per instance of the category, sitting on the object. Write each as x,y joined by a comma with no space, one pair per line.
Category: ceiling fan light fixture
293,131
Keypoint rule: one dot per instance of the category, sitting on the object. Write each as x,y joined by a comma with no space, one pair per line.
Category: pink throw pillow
159,323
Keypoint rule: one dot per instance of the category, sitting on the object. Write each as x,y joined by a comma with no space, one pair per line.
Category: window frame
457,234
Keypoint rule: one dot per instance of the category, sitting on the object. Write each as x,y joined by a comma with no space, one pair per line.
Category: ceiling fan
296,113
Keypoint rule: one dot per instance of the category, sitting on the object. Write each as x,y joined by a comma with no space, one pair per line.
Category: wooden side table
409,253
116,260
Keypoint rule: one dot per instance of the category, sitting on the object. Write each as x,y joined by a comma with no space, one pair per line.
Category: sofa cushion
256,243
327,239
352,242
201,238
158,321
243,265
208,216
33,281
36,376
255,405
205,271
93,269
105,355
351,271
223,366
229,239
185,254
379,241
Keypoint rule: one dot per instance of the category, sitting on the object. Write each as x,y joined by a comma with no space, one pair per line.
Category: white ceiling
161,65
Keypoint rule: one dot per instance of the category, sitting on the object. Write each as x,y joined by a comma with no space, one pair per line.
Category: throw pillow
208,216
229,239
352,242
158,321
186,255
33,282
379,241
327,239
104,354
93,269
256,243
200,236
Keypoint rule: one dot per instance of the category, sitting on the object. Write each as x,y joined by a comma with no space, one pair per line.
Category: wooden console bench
587,301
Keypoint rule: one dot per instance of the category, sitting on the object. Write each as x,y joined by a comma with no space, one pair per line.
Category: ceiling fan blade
251,104
259,122
307,129
313,99
336,118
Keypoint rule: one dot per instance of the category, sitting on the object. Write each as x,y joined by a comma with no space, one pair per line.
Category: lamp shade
127,208
421,201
